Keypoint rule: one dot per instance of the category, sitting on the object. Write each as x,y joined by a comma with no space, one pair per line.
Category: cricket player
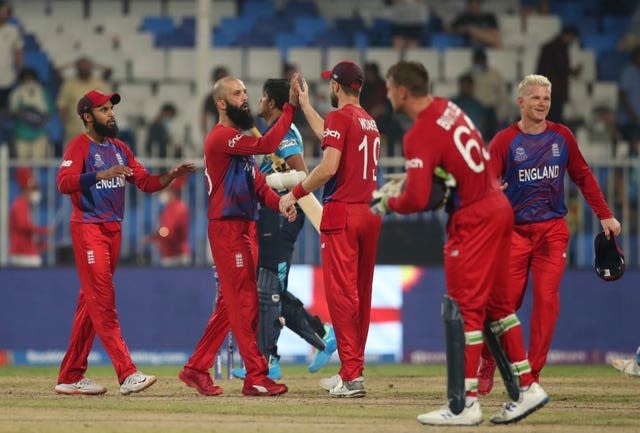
276,241
348,231
532,157
235,187
94,172
478,233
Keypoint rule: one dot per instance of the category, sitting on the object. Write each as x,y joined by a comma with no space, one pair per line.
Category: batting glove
379,205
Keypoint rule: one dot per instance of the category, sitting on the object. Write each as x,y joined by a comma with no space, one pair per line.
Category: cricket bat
309,203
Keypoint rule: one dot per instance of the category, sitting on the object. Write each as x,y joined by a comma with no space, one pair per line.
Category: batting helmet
609,261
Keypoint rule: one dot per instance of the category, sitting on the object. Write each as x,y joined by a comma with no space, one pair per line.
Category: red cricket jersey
174,224
443,135
99,201
22,230
234,182
353,132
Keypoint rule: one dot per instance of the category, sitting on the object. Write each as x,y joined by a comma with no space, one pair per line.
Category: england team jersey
534,166
353,132
234,182
443,135
99,201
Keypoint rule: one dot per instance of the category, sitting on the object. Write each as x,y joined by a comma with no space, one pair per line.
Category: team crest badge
119,158
98,162
520,154
555,149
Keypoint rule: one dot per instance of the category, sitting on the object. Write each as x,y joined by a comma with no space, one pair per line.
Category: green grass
583,399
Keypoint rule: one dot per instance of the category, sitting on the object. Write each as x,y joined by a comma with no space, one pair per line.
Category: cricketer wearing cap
478,232
235,187
93,172
348,231
532,157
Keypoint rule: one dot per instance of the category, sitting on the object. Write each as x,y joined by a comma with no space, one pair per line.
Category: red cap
24,177
95,98
346,73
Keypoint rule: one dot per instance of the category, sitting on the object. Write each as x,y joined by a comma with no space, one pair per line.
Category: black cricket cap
609,261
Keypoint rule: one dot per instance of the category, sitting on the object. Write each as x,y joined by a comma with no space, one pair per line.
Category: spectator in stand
554,63
479,28
172,236
31,107
11,54
73,89
24,249
160,142
466,100
628,116
491,91
408,18
373,99
209,115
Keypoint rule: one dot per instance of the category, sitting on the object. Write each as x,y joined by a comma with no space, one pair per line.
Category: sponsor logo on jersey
555,149
538,173
368,124
116,182
234,140
449,116
91,258
119,158
454,253
330,133
413,163
98,162
519,154
66,163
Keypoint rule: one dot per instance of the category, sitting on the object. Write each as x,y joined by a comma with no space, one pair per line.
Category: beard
104,129
241,117
334,100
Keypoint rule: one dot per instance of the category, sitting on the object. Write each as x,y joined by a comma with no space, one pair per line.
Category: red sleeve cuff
298,191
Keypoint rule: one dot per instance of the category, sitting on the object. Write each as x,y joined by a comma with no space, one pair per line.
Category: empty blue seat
600,42
332,38
31,42
443,41
610,64
38,60
253,8
157,24
310,26
284,41
301,8
380,33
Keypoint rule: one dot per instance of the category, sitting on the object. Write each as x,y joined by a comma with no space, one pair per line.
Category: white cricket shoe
530,401
328,383
629,367
136,382
83,386
349,388
471,415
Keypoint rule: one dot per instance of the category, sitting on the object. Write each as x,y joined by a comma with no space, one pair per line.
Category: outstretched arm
315,120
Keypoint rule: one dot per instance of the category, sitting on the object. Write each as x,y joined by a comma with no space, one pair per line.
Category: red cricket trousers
542,249
476,257
234,245
96,248
348,259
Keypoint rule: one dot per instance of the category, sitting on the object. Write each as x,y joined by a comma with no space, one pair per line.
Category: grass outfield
583,399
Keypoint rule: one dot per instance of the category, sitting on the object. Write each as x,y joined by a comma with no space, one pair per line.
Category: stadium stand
151,48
